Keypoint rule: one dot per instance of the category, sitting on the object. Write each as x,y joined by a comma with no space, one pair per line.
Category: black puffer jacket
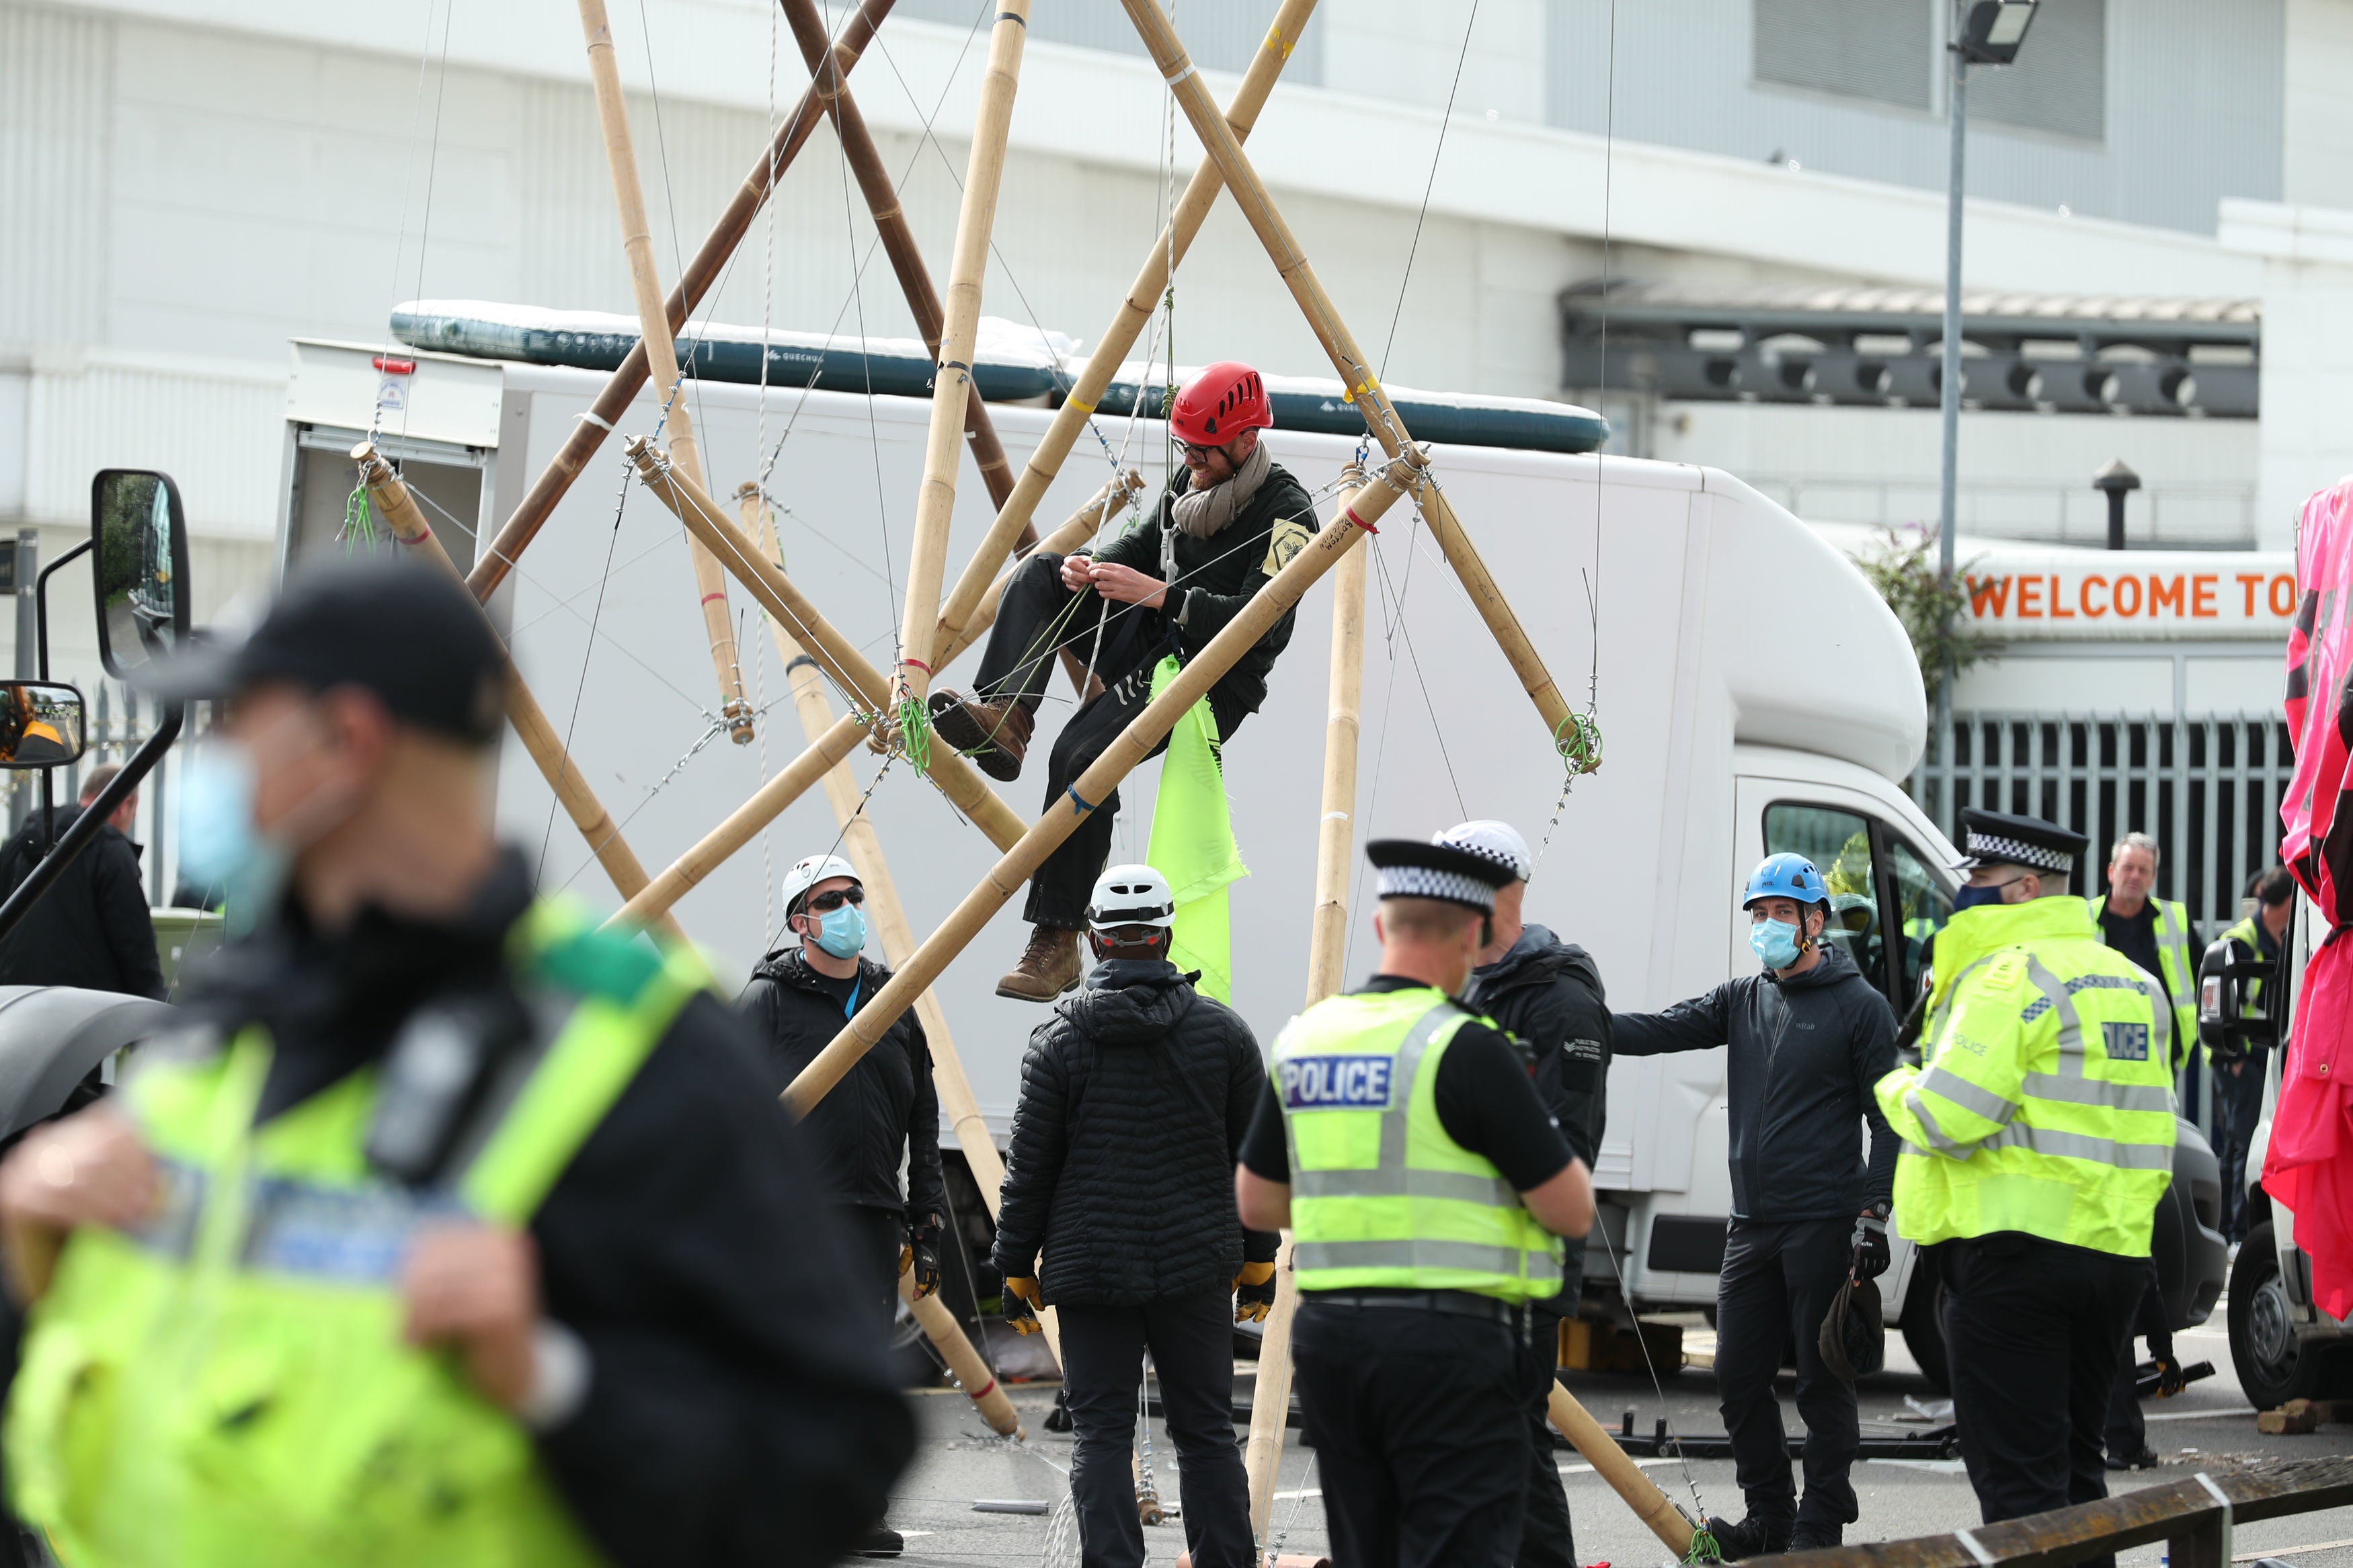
1220,573
91,928
1547,994
1797,1084
883,1109
1134,1098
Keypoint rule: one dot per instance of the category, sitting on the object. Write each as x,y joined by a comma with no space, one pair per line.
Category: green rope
915,733
1704,1548
1578,742
359,524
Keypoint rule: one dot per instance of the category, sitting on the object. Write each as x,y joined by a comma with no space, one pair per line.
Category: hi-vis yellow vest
2180,971
228,1386
1380,1196
2044,1103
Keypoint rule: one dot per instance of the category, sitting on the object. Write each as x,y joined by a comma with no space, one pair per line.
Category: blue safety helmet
1788,875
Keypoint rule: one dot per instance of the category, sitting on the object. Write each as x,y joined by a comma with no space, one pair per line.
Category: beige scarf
1202,513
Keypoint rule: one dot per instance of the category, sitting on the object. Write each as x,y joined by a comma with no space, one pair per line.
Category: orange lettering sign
1984,591
2201,595
2162,592
2248,581
2030,598
2059,610
2084,595
2127,587
2283,595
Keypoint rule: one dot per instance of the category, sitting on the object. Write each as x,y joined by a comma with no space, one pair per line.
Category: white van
1753,692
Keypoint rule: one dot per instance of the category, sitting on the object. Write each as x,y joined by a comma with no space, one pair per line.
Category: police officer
1400,1141
2038,1137
456,1230
1546,995
2153,932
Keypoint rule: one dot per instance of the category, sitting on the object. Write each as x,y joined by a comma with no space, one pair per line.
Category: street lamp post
1990,34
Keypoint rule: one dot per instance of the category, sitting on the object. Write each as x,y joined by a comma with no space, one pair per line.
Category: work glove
1870,1244
921,1255
1021,1303
2169,1375
1253,1292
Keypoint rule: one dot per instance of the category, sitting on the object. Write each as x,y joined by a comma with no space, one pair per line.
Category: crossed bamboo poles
932,629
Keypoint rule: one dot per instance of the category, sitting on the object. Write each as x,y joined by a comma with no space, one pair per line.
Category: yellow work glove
1022,1300
1253,1292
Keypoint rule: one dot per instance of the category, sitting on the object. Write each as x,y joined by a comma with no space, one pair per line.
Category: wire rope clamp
737,713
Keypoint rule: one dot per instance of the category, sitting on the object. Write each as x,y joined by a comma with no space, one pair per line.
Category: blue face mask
1774,943
842,931
1971,898
220,848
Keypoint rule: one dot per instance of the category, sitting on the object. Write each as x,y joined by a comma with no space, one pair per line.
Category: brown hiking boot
1050,965
995,735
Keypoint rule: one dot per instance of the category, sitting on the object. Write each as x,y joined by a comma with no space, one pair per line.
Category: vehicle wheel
1924,1336
2273,1367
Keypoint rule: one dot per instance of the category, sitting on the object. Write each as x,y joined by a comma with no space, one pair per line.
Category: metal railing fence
119,723
2207,789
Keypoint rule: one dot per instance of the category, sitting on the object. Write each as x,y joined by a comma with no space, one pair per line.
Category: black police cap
408,633
2000,839
1411,869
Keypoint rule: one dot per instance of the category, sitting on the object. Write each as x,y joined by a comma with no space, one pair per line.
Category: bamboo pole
661,354
390,497
1142,298
498,558
898,238
1357,374
1360,513
1610,1463
897,938
773,798
1326,949
952,385
835,654
971,1373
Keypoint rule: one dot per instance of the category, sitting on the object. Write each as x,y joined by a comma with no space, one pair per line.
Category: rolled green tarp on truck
1012,363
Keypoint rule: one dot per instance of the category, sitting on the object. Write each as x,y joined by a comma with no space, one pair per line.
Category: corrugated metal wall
2192,92
215,430
56,106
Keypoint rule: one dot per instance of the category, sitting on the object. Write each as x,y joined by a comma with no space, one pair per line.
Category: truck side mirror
2231,1012
40,724
138,542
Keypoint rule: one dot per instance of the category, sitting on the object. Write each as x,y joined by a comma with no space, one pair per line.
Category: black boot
1752,1537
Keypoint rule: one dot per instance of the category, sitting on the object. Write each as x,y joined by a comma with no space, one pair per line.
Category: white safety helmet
1491,840
1132,896
809,872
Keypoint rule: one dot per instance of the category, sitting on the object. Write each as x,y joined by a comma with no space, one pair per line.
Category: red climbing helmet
1225,399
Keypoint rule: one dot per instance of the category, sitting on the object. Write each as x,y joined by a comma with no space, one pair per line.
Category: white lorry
1753,692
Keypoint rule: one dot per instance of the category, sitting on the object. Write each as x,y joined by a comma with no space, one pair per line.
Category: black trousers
2032,1330
875,1236
1418,1420
2238,1106
1192,1344
2127,1432
1036,617
1776,1286
1546,1539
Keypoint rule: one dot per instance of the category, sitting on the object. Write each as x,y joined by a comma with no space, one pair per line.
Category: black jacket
91,928
1547,994
1219,576
728,1419
1134,1098
1805,1054
884,1109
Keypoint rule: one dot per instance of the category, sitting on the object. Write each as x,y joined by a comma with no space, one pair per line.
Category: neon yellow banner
1193,843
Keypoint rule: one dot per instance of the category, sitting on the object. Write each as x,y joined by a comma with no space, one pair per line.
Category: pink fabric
2305,1167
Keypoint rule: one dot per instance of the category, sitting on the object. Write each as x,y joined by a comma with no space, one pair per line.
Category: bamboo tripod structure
390,497
952,384
661,355
498,557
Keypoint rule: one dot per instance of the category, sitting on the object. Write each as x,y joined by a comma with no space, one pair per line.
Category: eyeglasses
1196,449
826,903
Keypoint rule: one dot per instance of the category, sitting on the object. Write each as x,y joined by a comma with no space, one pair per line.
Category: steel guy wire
1682,1462
400,243
579,687
1445,122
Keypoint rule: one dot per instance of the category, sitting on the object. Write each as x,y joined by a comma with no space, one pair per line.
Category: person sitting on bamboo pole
1166,587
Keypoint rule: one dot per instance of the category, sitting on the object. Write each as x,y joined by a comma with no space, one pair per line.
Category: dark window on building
1220,34
1884,50
2059,81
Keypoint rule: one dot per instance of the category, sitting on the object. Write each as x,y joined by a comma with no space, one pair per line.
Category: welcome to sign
2140,595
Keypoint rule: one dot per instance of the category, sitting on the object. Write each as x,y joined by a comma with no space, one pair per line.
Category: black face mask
1971,898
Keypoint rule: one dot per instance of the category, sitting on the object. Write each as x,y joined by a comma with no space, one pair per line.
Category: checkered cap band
1991,846
1426,882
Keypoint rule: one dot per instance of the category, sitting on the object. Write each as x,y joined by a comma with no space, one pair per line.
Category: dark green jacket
1219,574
